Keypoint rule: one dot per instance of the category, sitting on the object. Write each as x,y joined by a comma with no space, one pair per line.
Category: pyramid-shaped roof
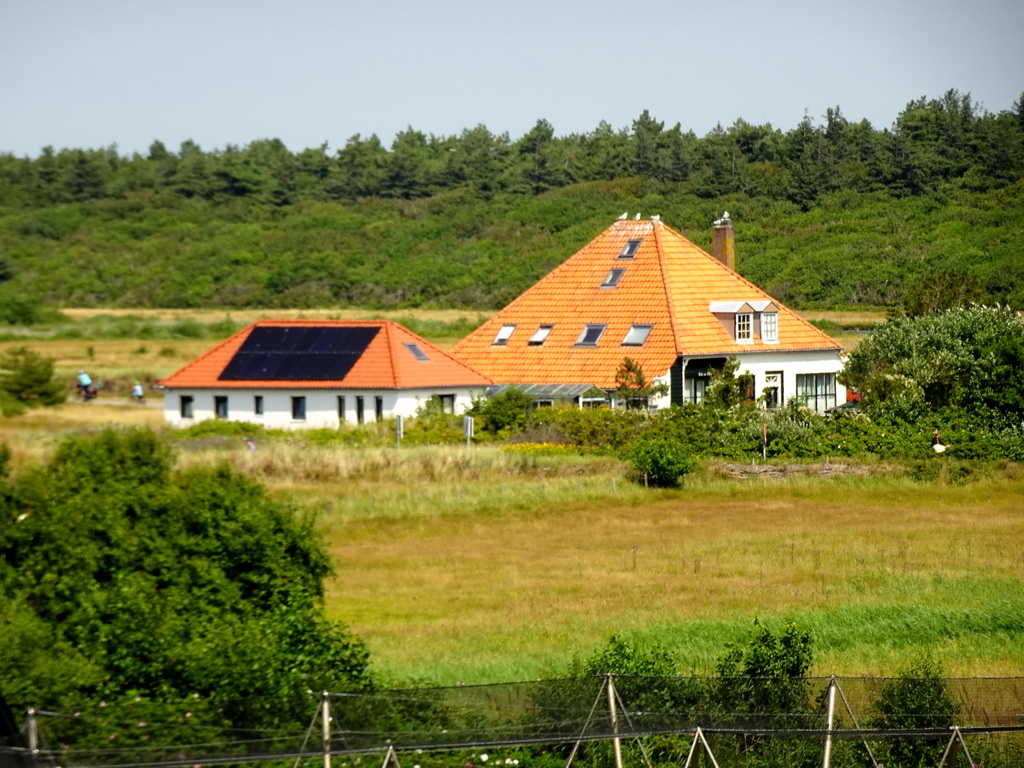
666,282
327,354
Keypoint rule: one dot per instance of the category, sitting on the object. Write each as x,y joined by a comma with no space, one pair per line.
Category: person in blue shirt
85,387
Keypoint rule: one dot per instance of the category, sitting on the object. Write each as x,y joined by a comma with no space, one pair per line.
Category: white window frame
769,326
589,329
816,391
504,334
744,327
540,335
637,335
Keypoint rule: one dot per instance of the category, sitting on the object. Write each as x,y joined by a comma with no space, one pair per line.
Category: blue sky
92,73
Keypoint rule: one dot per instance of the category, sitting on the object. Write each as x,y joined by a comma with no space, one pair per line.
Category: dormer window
590,336
540,335
744,326
629,249
612,278
637,336
503,336
770,326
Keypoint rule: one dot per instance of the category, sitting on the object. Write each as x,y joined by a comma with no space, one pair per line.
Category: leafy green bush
504,413
663,462
27,380
919,697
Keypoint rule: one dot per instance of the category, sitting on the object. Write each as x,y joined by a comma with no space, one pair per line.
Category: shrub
27,379
663,461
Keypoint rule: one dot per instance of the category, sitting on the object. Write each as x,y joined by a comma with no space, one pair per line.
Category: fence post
325,715
616,743
33,735
831,722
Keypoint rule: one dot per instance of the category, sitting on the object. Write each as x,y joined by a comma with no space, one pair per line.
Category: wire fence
891,722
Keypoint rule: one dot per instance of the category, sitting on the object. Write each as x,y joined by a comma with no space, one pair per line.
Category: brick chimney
723,242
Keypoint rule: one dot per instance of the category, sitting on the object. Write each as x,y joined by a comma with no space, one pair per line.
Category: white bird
656,217
624,215
637,217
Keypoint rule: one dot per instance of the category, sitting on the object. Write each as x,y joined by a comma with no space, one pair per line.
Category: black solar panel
292,353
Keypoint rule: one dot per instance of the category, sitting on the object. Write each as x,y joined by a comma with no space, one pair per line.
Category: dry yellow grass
515,591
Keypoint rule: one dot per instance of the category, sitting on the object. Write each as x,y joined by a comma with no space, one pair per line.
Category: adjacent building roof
638,281
329,354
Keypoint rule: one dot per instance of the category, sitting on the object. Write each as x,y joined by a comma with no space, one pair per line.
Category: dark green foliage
918,698
632,387
503,413
831,214
163,585
970,358
661,461
27,380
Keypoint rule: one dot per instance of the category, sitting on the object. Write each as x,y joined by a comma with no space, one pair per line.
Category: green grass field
485,565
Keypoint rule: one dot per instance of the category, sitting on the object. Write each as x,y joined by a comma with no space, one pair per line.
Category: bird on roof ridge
624,215
656,217
637,217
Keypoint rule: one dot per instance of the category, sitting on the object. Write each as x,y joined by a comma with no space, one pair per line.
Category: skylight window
612,278
503,336
590,336
629,249
418,353
540,335
637,336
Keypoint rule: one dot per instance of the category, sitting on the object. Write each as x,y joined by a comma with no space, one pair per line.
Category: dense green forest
829,214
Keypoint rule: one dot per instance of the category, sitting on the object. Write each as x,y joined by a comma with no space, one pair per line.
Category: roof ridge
669,303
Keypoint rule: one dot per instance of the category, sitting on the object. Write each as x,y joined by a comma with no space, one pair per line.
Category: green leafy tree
919,697
972,358
632,386
27,380
165,585
728,387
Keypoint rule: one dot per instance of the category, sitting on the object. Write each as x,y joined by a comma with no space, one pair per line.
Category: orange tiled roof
669,284
386,362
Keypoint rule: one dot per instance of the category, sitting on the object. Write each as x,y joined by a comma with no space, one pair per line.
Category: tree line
932,141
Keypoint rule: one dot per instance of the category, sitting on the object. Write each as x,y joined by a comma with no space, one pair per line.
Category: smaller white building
299,374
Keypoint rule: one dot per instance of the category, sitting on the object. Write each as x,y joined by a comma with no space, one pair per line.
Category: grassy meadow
488,564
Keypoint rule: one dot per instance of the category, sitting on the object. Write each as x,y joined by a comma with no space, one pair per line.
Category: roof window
503,336
590,335
612,278
540,335
637,336
418,353
629,249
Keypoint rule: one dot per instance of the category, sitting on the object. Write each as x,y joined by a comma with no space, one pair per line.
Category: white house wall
789,363
321,405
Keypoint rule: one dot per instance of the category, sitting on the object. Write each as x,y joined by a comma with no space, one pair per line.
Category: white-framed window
816,390
744,326
185,406
503,336
629,249
447,403
298,408
540,335
770,326
637,336
612,278
590,335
